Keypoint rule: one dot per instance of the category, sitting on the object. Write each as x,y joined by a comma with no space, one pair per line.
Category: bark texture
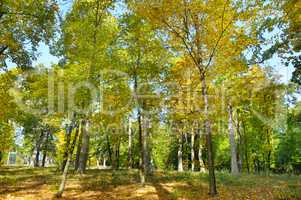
66,167
180,153
84,152
130,144
192,149
234,165
212,182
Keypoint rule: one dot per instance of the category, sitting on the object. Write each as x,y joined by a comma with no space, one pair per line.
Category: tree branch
189,49
2,49
218,40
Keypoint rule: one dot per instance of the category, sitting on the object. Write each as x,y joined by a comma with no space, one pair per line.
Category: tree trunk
201,161
97,163
200,152
66,168
114,149
130,144
140,131
246,147
240,147
109,149
66,150
84,152
104,162
45,149
256,164
78,149
180,153
146,146
192,150
268,161
234,166
8,160
115,164
38,149
212,182
142,150
44,158
37,158
118,155
268,167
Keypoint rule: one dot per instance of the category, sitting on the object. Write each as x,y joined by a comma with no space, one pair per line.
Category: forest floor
42,183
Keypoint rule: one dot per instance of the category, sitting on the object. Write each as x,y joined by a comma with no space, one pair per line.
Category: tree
288,150
183,105
69,129
290,44
195,28
23,25
144,60
89,53
7,112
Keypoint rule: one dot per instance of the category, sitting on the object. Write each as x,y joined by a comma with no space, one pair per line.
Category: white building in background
12,158
15,158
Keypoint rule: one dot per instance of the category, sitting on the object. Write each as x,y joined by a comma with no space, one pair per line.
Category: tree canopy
151,85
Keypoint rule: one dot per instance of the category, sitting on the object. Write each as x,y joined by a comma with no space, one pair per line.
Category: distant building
15,158
12,158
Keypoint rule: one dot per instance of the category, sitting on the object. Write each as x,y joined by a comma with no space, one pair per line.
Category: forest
150,99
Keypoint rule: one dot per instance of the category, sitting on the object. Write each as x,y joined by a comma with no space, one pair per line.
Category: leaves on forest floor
26,183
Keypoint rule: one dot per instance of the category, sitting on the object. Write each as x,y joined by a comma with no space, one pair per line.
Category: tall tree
84,43
23,25
202,30
144,59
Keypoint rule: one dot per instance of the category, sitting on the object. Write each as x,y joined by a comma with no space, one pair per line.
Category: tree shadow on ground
162,193
124,184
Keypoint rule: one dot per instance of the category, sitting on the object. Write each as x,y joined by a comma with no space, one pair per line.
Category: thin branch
197,40
257,62
3,48
185,21
189,49
4,66
223,14
218,40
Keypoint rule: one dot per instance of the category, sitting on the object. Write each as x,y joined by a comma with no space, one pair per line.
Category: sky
45,58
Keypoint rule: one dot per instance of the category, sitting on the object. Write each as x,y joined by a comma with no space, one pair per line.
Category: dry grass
26,183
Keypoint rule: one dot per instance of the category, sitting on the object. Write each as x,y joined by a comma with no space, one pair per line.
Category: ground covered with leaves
29,183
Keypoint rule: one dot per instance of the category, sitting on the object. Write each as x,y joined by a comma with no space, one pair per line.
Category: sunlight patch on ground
148,192
170,187
36,184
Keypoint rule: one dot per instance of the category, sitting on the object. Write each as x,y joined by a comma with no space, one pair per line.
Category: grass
42,183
